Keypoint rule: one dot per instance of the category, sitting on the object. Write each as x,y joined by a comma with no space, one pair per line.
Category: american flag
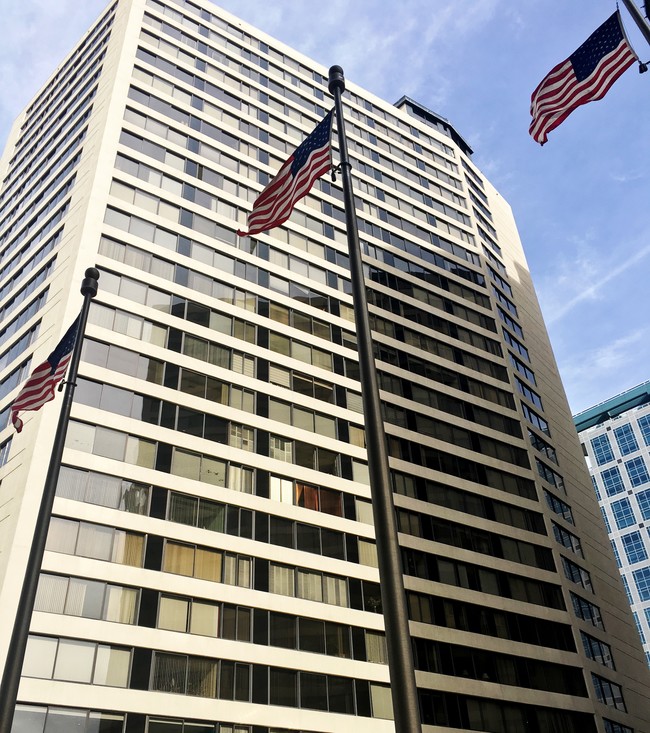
310,161
585,76
40,386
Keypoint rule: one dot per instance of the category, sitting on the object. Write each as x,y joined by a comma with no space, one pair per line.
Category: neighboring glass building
211,561
615,437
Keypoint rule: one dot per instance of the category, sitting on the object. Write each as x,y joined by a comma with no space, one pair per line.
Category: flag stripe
567,93
278,209
286,187
293,181
586,76
40,388
595,91
553,111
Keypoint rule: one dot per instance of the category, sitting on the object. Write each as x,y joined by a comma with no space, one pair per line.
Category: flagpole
18,643
638,18
398,638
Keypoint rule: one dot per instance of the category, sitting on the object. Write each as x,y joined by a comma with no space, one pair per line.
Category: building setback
211,563
615,437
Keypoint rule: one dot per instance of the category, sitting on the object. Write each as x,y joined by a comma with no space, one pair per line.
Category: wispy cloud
617,353
475,63
39,33
606,370
389,49
628,177
582,279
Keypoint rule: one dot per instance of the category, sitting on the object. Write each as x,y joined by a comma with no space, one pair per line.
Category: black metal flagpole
638,18
398,639
18,643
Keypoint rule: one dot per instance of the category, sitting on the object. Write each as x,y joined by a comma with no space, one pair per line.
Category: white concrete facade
211,562
616,444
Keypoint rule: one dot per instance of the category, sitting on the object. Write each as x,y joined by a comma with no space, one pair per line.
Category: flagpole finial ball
336,80
89,284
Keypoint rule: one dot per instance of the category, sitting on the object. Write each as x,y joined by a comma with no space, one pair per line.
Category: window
612,727
87,598
320,499
282,580
320,692
240,478
196,512
597,650
526,391
548,474
309,585
542,446
111,444
376,647
623,513
637,471
207,564
283,687
302,418
634,547
560,507
195,617
281,344
96,541
236,623
237,570
567,539
157,725
123,361
304,384
341,695
642,581
644,425
382,704
612,481
594,483
281,449
608,693
643,500
4,451
606,520
602,449
73,660
241,437
626,439
313,586
639,627
587,611
234,681
577,574
33,719
282,630
185,675
304,454
628,592
199,467
98,488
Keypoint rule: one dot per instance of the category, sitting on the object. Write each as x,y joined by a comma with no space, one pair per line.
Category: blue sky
581,202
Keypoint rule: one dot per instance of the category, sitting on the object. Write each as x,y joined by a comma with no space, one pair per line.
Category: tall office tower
211,563
615,437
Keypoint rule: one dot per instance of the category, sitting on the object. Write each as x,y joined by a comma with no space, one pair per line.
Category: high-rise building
615,437
211,563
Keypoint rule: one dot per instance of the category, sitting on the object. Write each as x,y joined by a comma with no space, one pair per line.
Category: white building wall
623,495
210,358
